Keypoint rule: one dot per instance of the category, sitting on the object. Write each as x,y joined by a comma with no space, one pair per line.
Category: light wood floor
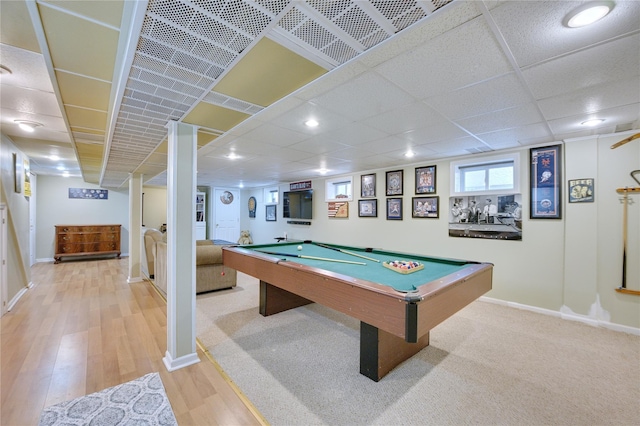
83,328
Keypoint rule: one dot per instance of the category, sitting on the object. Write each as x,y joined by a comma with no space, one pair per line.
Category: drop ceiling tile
79,46
406,118
366,95
109,12
460,57
592,99
85,118
23,103
502,119
28,68
607,62
570,126
83,92
456,146
437,132
16,28
267,73
517,136
354,134
329,119
421,33
495,94
313,146
214,117
275,135
534,31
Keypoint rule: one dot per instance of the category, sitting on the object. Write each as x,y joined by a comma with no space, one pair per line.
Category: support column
135,228
181,265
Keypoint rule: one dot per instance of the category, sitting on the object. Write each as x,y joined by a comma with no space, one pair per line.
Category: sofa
211,274
151,237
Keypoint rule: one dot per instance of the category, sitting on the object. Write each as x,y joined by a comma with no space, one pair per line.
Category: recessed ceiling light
588,14
311,123
233,156
592,122
409,154
65,174
323,171
54,157
28,126
61,168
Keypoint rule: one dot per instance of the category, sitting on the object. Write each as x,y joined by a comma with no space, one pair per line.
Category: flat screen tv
298,204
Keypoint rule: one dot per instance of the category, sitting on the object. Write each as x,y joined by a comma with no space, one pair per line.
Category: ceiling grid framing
187,46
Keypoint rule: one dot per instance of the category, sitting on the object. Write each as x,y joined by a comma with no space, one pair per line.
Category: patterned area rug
141,402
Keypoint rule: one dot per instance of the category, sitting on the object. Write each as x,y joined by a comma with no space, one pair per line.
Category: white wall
155,207
18,269
570,266
54,207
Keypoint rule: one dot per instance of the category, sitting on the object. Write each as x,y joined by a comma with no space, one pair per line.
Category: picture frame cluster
424,205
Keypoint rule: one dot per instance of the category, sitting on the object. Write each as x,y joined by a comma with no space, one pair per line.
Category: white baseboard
181,362
17,297
570,317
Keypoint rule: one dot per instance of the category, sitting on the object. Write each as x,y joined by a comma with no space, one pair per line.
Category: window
339,189
270,196
489,175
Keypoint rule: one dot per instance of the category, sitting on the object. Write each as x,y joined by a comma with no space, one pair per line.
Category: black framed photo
368,208
581,190
271,213
394,208
394,182
425,207
426,180
368,186
545,182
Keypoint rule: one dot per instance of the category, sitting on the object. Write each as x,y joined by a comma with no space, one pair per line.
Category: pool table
396,310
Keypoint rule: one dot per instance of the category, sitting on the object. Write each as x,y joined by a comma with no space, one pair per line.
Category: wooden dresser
86,240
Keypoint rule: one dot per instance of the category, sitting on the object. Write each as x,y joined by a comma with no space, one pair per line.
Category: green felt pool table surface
434,268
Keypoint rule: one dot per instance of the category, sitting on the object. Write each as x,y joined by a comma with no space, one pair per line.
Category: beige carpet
488,364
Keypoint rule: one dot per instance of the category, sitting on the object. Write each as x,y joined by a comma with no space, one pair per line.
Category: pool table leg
274,299
381,352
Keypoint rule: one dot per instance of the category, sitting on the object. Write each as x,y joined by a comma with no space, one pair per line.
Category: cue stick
343,251
311,257
624,240
623,141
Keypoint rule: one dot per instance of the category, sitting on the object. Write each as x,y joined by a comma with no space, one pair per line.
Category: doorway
226,214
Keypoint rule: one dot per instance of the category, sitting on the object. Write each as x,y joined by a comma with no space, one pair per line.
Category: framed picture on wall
368,208
271,213
425,207
394,208
581,190
368,185
426,180
394,182
545,182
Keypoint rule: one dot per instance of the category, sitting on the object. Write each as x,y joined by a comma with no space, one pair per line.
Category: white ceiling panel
592,99
507,118
612,61
409,117
462,56
612,117
359,98
470,77
517,136
495,94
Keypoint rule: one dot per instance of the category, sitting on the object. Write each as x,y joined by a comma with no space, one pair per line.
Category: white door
32,221
226,215
3,259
